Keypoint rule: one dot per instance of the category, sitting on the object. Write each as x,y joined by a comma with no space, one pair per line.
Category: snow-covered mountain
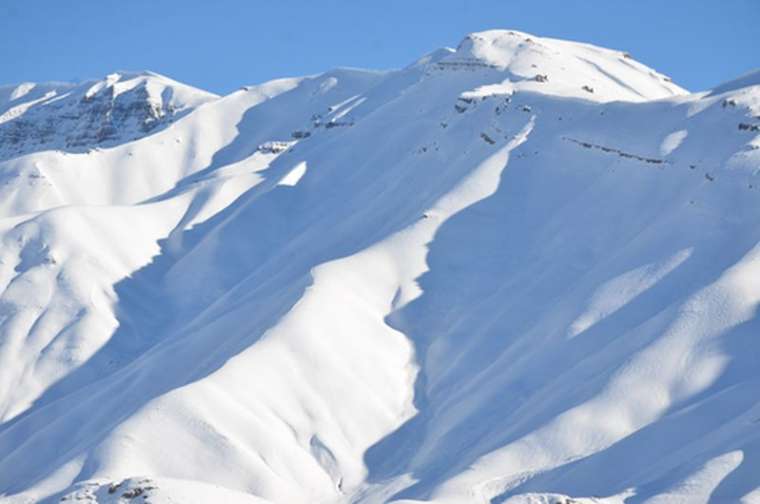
120,108
523,270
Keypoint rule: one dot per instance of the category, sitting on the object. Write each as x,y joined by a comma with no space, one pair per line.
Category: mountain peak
493,47
559,67
120,106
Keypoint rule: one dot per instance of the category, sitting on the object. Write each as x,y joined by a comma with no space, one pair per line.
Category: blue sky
220,45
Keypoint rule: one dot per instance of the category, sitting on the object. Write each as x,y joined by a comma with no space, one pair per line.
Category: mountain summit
519,271
551,66
122,107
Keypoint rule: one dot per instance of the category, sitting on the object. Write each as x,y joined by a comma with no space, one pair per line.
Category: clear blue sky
220,45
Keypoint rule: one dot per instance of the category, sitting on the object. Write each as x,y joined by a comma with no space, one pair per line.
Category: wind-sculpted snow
455,282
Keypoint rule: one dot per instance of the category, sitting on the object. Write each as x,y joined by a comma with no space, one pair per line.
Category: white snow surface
455,282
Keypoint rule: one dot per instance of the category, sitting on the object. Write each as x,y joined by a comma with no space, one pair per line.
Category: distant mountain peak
121,106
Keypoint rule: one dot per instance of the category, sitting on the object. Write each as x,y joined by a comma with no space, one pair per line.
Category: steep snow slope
455,282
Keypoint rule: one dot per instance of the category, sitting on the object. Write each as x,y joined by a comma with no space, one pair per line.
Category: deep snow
516,271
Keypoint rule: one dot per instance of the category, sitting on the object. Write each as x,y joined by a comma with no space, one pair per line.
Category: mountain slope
510,272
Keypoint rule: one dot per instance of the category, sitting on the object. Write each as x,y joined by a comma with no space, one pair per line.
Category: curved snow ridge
58,296
749,79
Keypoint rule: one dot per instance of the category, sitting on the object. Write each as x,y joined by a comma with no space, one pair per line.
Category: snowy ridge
455,282
122,107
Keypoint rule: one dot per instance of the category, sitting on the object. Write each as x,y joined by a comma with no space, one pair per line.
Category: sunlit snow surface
524,270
